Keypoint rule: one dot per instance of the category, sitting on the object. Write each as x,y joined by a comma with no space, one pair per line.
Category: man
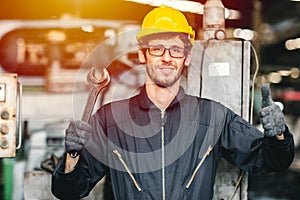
162,143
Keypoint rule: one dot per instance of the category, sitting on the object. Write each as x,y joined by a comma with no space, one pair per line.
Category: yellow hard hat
165,19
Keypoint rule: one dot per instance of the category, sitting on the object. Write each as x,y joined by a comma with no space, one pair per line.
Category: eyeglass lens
159,50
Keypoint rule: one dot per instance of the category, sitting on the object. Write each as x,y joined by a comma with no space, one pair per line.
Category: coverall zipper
163,154
116,152
198,167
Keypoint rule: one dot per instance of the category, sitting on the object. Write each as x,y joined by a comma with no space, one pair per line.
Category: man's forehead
170,42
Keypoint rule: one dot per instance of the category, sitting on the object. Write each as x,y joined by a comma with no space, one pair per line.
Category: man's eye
177,50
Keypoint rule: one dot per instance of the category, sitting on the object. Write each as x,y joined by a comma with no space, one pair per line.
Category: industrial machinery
10,115
222,73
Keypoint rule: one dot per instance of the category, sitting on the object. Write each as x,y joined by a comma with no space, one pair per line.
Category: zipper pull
116,152
198,166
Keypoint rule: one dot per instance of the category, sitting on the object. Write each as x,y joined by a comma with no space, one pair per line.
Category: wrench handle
87,112
98,85
90,105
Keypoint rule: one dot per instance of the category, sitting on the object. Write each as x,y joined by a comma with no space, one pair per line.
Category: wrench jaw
96,84
98,80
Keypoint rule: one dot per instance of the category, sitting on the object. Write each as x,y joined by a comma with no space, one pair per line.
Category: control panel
9,114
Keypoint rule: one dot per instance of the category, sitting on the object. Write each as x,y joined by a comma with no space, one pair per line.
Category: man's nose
166,56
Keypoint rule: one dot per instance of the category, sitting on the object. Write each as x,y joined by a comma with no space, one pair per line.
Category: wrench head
96,80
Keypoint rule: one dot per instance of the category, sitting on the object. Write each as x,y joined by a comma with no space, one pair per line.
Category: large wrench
96,84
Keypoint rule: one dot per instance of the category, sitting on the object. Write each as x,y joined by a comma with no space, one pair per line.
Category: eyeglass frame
164,50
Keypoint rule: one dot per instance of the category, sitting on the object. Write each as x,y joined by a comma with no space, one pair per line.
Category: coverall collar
145,103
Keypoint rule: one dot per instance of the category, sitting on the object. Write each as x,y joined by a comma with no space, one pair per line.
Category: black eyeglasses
159,50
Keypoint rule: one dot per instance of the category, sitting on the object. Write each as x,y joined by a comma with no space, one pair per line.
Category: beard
161,80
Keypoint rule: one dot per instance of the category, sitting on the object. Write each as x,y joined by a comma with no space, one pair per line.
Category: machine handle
19,114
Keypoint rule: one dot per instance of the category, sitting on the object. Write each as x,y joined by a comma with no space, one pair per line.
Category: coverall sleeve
80,181
246,147
88,170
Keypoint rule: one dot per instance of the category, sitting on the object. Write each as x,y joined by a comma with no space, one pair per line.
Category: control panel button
3,143
4,115
4,129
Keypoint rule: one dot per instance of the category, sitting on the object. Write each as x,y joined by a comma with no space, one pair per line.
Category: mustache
167,65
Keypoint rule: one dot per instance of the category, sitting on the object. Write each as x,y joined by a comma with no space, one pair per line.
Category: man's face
165,70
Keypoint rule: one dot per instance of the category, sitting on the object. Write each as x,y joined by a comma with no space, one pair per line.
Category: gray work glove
271,117
77,135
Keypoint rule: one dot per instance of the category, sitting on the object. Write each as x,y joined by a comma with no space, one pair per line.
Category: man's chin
164,84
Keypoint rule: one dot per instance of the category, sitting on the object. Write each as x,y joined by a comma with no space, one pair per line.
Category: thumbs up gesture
271,117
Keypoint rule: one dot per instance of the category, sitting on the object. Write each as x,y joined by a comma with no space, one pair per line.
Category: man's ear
188,58
141,55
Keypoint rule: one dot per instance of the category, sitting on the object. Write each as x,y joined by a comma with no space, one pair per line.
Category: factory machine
10,115
10,127
222,73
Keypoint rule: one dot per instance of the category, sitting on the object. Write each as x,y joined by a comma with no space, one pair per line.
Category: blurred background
51,44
